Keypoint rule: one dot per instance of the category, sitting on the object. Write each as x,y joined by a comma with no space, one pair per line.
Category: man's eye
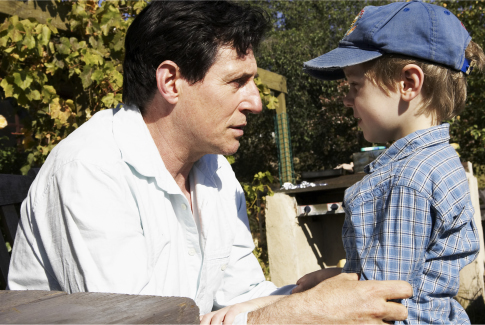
239,82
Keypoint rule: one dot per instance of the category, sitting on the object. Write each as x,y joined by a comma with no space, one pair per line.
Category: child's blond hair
444,89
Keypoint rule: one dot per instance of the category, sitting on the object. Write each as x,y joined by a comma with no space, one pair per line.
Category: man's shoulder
92,143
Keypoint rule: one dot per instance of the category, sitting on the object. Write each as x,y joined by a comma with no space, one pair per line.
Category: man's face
215,109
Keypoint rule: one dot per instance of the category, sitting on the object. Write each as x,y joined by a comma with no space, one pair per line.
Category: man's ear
411,82
168,81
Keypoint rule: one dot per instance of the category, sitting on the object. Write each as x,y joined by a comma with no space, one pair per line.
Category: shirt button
191,252
184,207
223,267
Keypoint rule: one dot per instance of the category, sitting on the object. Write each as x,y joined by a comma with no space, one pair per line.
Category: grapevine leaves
62,78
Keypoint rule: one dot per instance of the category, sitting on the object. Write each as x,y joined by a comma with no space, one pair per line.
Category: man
139,199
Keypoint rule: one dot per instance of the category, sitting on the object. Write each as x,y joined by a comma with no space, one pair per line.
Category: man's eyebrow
242,76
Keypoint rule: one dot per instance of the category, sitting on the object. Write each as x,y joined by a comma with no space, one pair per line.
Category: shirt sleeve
394,237
81,233
243,279
387,239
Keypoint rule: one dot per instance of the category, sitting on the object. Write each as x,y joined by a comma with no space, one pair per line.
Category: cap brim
329,66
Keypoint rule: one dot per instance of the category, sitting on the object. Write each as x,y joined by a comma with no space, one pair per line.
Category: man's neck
175,153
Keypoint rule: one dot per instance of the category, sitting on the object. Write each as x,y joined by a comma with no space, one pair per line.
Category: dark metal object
13,190
322,174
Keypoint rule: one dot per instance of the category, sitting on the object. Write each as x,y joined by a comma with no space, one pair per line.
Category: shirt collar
405,146
139,150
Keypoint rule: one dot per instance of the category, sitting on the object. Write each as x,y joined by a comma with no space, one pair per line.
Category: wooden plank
281,108
103,308
14,298
40,10
272,80
14,188
10,221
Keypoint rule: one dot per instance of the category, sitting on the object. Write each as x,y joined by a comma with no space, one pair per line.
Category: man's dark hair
188,33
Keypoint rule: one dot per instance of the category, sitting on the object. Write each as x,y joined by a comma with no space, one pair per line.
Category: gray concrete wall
297,246
471,276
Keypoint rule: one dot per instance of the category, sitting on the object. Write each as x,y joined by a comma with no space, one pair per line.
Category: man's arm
84,233
243,278
339,300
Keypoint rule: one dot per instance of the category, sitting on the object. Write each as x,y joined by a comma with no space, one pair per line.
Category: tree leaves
23,79
62,79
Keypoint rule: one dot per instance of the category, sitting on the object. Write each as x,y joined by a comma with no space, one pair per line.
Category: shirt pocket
216,266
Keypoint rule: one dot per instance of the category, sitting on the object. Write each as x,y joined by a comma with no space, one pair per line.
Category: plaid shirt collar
405,146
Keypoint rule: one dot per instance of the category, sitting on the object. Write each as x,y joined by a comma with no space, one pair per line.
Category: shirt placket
193,253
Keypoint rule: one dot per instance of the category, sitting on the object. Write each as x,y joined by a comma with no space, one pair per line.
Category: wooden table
55,307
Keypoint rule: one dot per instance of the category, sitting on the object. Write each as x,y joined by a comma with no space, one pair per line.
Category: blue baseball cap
416,29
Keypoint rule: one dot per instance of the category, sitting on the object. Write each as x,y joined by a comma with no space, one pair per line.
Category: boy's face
378,113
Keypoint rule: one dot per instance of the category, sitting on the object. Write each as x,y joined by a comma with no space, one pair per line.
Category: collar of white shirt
139,150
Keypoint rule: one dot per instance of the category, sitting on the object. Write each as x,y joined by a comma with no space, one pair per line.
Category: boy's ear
411,82
168,81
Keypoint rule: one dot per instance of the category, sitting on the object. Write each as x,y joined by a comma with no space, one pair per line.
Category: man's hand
339,300
310,280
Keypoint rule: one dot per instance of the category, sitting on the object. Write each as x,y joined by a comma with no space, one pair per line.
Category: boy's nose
348,101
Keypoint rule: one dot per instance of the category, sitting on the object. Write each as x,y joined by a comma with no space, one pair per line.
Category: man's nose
253,100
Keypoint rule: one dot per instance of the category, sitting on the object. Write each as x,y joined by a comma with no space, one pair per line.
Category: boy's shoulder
429,168
434,172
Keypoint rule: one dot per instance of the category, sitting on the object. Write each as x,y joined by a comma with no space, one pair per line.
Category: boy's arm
310,280
406,238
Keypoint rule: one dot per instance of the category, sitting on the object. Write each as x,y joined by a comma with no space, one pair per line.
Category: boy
411,217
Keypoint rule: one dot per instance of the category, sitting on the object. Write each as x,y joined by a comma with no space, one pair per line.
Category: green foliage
256,193
269,101
9,157
63,78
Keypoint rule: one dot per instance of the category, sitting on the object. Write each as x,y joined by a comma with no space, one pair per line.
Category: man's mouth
239,129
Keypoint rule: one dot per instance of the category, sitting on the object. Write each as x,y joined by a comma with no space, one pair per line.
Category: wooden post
277,83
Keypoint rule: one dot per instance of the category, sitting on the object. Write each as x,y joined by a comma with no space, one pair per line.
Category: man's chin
230,150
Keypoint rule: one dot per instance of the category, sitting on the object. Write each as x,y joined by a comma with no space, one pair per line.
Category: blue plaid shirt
411,219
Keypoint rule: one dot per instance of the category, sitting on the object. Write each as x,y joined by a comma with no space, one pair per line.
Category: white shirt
104,215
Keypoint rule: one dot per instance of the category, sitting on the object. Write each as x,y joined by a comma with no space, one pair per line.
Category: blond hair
444,89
